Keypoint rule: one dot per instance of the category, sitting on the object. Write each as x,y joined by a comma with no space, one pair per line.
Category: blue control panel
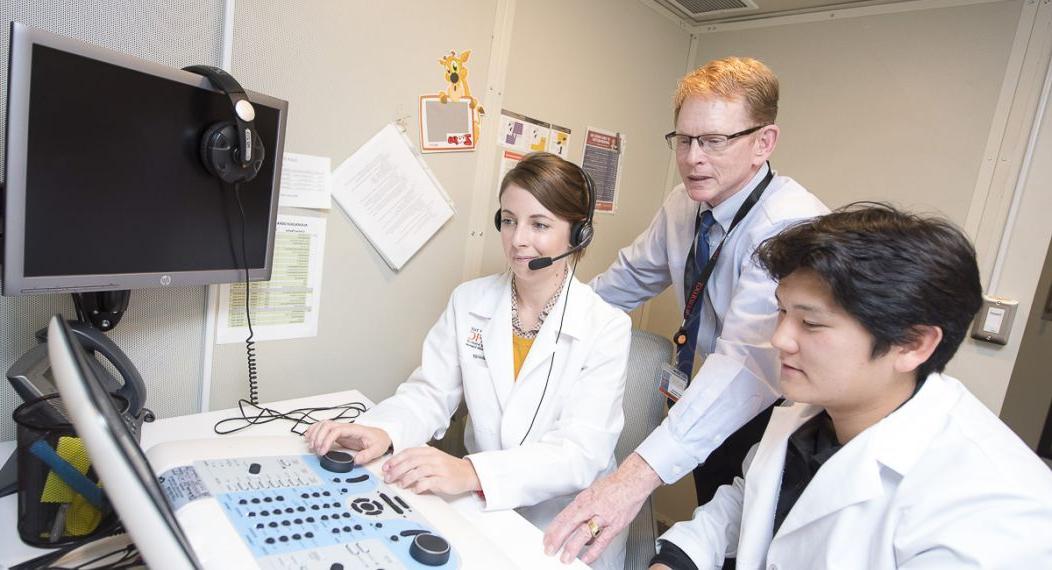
293,512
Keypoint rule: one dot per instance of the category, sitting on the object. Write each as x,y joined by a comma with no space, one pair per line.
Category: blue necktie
685,356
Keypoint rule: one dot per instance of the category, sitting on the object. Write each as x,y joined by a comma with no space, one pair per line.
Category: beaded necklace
516,326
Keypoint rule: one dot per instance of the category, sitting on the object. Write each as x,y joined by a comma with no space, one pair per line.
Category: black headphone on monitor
231,151
581,232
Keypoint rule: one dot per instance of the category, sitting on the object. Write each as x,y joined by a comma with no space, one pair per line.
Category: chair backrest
644,410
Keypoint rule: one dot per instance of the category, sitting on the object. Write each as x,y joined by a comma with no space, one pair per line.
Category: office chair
644,410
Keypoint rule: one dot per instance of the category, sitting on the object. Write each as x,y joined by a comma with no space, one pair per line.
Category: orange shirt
520,348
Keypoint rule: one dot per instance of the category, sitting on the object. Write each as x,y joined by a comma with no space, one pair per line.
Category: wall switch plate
994,321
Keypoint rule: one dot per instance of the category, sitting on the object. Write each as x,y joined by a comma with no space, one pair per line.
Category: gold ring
593,527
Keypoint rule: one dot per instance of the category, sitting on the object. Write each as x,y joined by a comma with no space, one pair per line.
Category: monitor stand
103,309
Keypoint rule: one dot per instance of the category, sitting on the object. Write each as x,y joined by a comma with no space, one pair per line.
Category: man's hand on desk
611,503
428,469
367,443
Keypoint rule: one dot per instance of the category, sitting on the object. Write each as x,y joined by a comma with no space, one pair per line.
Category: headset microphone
542,262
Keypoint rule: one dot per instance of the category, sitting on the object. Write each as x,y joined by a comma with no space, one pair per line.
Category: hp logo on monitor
166,280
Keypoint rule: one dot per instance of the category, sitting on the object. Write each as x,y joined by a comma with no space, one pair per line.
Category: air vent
696,8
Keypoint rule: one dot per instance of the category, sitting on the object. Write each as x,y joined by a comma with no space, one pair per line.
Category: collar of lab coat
495,306
853,475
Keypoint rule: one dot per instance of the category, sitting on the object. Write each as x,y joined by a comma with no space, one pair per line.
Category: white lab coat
939,483
468,353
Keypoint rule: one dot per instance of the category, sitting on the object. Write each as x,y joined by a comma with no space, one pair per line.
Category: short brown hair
559,186
731,78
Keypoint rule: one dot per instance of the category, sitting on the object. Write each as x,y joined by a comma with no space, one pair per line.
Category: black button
379,525
273,525
289,510
298,521
357,527
264,513
326,493
346,529
305,496
285,523
336,531
309,535
260,525
343,490
296,536
315,494
336,566
255,500
280,498
283,538
270,541
310,519
394,538
300,509
242,502
254,468
325,517
312,507
346,515
267,499
251,514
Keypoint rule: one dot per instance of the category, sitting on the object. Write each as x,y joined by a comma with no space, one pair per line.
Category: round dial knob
337,461
429,549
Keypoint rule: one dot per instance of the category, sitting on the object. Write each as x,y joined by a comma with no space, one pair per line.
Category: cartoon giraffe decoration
456,74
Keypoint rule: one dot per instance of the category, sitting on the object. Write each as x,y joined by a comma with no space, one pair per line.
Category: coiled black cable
250,345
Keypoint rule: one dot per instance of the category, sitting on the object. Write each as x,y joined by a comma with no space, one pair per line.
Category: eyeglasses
713,143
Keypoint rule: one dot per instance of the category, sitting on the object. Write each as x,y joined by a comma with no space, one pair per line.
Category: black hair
891,270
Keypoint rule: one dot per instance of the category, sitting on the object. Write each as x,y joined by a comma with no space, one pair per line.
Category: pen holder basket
60,502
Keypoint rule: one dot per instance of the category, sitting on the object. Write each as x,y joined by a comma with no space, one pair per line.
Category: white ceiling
763,9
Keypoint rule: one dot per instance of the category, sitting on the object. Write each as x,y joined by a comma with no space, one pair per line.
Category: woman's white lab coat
939,483
468,353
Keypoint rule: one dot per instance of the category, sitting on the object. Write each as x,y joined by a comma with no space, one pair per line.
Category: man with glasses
701,243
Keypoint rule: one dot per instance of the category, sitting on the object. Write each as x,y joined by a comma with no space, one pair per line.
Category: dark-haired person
724,133
882,461
538,357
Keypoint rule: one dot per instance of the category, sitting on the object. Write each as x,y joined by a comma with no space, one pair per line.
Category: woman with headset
537,356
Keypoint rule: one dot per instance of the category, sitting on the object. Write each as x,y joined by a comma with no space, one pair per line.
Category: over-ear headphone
231,151
581,232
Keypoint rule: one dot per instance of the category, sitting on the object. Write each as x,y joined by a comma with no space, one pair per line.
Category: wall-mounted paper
287,305
305,181
526,134
388,191
602,160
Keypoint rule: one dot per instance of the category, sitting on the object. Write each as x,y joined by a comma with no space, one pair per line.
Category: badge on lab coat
671,382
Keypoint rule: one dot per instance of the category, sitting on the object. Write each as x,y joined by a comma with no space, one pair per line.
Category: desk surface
511,533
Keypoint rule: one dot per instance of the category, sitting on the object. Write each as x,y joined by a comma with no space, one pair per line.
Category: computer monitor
105,188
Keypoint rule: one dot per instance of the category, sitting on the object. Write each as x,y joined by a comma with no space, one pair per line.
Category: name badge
671,382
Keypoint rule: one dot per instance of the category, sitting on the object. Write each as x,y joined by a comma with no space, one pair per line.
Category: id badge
671,382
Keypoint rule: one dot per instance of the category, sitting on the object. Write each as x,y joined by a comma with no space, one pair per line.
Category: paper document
305,181
287,305
391,195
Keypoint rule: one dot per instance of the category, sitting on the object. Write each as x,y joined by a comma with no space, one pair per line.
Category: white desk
512,534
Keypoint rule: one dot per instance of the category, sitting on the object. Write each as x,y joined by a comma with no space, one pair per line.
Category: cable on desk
254,414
